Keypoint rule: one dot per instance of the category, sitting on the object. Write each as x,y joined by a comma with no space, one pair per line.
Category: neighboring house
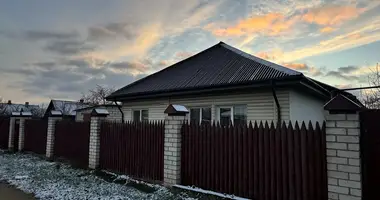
84,114
6,109
225,84
68,108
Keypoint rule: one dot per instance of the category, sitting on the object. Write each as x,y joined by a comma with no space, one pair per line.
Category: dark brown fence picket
71,142
258,161
135,149
35,135
4,132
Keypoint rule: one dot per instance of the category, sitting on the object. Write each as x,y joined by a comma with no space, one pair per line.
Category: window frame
140,115
232,108
200,108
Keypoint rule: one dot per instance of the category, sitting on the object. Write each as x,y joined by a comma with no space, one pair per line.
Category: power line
360,88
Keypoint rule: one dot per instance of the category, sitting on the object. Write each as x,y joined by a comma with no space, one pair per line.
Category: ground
51,180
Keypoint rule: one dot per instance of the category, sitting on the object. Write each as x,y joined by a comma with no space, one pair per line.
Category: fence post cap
16,114
55,113
342,104
26,114
176,110
99,112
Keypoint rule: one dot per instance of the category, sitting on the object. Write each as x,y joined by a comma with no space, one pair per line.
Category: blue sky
59,49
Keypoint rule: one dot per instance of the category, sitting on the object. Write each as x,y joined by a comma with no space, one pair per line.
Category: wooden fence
4,132
35,135
71,142
256,161
135,149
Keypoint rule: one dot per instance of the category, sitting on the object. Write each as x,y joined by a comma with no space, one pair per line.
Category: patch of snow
195,189
21,177
180,108
34,175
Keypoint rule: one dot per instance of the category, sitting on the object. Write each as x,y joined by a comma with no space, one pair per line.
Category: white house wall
304,108
260,105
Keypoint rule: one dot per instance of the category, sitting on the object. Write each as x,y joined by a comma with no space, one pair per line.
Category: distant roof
97,106
68,107
7,109
216,66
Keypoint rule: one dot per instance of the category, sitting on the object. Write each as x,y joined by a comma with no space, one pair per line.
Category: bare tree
97,96
371,98
2,106
38,111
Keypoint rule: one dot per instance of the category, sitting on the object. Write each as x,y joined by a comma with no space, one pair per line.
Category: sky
61,49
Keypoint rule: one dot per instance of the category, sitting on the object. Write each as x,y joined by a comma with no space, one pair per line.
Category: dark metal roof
219,65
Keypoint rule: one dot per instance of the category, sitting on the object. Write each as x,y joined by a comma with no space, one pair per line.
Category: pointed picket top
324,125
261,125
266,125
255,125
283,126
250,125
310,126
272,125
317,128
290,126
296,127
303,127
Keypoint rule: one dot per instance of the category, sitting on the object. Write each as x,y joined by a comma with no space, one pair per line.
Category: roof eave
257,84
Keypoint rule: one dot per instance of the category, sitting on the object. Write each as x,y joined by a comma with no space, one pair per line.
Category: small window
232,115
140,115
200,115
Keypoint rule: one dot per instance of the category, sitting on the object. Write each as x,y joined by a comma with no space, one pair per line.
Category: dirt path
9,192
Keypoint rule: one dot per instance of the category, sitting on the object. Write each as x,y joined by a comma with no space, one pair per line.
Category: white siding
305,107
260,104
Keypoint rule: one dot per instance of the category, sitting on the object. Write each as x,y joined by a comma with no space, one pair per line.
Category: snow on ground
49,180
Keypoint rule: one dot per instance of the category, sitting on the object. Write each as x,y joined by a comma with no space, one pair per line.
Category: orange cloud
272,55
183,55
331,14
327,29
296,66
270,24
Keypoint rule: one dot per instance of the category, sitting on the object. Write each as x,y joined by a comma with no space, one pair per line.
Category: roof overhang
296,81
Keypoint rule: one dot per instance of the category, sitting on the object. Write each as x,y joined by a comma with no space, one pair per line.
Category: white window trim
218,107
140,110
200,112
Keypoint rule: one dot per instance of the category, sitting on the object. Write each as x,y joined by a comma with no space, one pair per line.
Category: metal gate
370,153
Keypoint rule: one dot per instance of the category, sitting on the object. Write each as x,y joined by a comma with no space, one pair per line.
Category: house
68,108
84,114
225,84
6,109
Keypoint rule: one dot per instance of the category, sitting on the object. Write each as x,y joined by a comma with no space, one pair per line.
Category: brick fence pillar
97,116
21,138
11,138
343,149
175,116
53,118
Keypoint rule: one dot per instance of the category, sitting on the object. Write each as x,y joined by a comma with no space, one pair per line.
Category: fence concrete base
172,149
50,137
94,151
343,156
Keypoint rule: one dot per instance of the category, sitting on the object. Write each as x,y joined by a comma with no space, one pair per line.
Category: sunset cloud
331,14
296,66
327,29
269,24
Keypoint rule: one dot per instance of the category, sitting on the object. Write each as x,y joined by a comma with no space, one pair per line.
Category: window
200,115
232,115
140,115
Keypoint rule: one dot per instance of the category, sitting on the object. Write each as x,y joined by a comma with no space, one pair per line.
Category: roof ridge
260,60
